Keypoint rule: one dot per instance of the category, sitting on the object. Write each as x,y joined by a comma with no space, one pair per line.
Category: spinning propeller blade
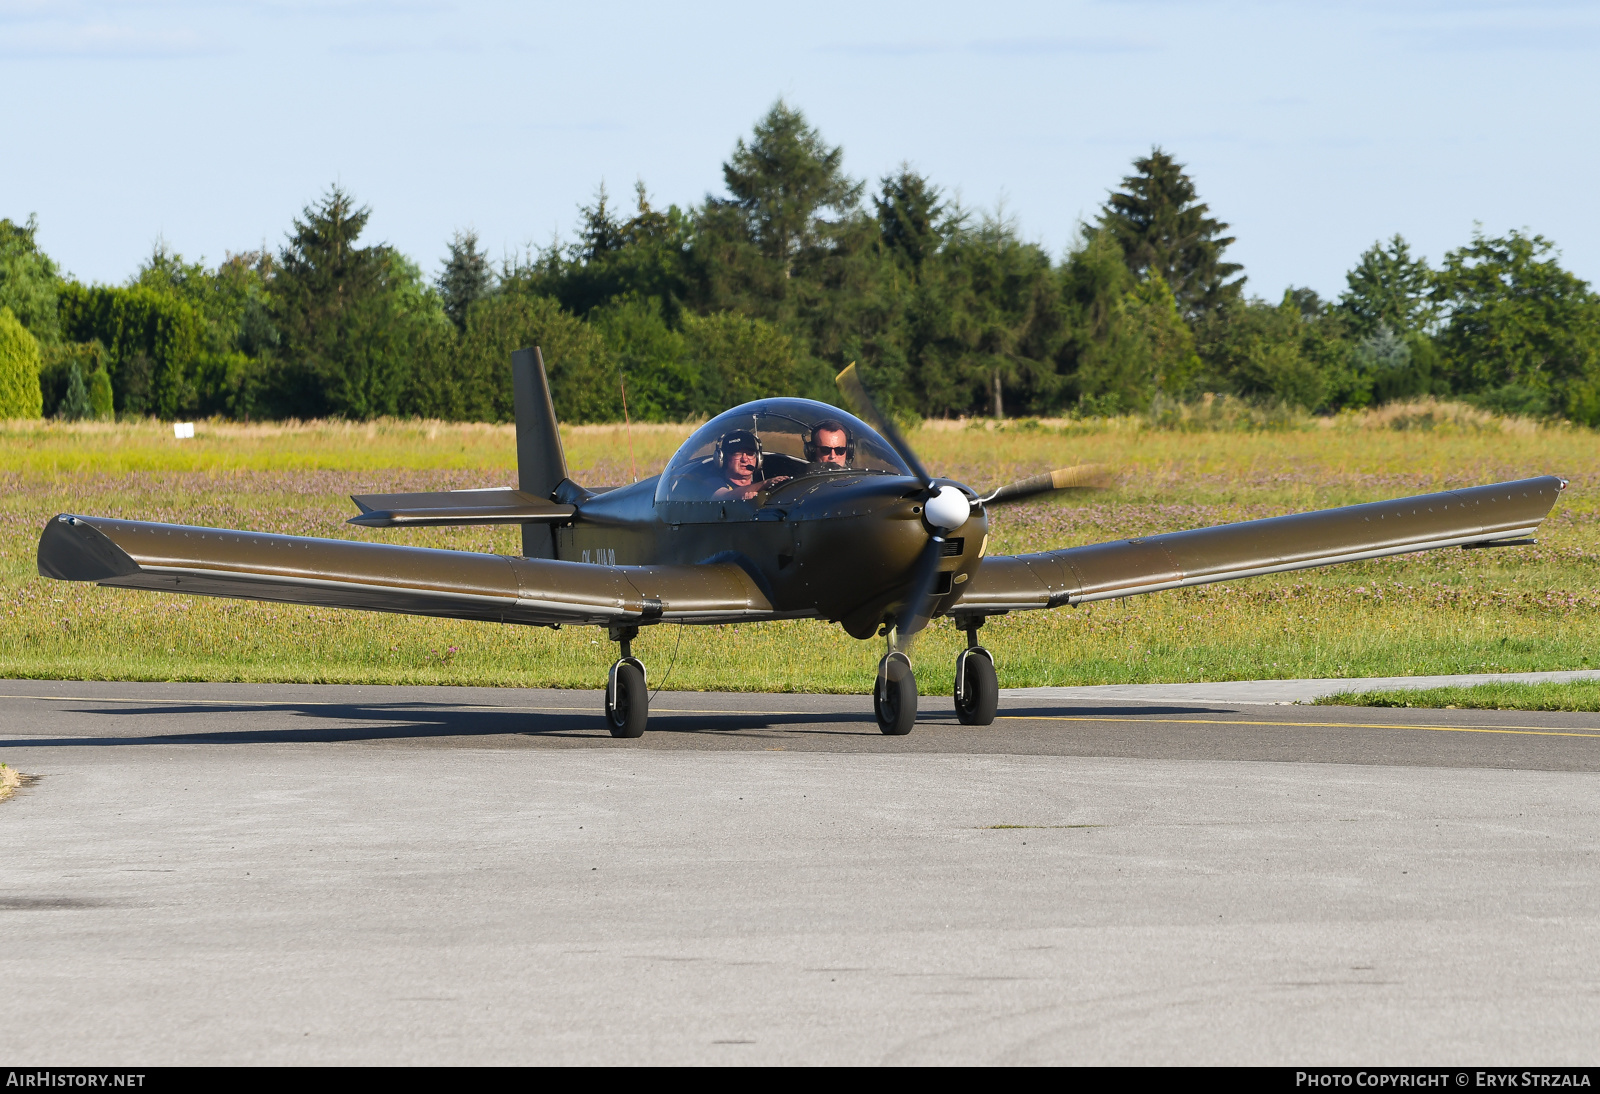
1084,476
854,391
945,509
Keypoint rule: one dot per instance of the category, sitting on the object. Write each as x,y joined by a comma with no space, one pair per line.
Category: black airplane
777,509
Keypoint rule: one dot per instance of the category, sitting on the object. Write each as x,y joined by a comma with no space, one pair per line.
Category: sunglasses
829,450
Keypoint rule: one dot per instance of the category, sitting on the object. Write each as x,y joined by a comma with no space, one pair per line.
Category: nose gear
627,696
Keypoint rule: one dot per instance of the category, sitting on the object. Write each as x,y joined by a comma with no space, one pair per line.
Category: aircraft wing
1480,516
381,577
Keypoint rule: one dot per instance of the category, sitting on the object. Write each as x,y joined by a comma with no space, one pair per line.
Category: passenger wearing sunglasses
830,445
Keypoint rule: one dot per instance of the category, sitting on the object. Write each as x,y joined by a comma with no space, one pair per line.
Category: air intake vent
953,547
941,584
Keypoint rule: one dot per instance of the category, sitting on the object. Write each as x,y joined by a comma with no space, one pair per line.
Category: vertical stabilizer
541,464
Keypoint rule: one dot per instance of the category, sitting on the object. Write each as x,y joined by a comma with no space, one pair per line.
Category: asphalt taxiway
302,874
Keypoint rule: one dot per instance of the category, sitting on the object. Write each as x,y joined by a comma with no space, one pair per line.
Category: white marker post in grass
183,430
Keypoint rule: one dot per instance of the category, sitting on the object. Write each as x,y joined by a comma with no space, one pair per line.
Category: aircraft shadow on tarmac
1119,710
401,721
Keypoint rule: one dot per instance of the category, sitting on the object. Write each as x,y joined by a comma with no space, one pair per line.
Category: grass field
1452,611
1576,695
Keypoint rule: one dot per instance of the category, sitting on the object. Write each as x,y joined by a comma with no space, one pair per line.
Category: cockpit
751,451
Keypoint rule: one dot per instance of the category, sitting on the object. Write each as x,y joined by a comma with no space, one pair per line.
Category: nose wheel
894,696
977,688
627,698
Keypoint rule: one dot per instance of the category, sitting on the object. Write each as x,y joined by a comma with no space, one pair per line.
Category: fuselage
837,545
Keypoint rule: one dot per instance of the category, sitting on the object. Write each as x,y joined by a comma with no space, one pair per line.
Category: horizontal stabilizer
455,507
1476,516
336,573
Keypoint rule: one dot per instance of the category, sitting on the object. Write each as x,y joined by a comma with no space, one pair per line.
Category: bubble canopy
747,452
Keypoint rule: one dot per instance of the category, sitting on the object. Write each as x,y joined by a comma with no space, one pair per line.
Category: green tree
1126,342
1388,288
644,257
19,369
1162,228
153,340
782,183
1519,329
75,406
29,280
101,400
465,279
912,221
474,380
346,315
737,359
231,302
649,354
1295,353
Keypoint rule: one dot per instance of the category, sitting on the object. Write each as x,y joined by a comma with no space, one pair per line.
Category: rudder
541,462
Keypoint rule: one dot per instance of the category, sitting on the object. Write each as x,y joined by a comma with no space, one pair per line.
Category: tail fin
541,463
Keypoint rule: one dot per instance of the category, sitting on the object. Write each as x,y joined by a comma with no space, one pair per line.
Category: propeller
1083,476
851,387
944,509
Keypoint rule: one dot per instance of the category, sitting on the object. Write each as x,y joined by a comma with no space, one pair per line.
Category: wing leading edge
381,577
1480,515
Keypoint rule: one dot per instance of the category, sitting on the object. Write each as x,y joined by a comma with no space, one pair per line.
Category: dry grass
10,780
1523,609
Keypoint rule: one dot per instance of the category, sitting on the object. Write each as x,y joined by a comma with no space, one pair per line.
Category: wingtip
73,549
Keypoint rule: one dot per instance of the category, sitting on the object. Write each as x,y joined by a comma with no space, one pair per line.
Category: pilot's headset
739,440
831,425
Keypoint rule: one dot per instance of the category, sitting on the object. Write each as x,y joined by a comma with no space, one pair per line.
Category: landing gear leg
894,694
627,699
977,688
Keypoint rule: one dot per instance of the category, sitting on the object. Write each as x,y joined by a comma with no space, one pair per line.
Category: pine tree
910,216
601,232
336,314
75,406
1164,230
466,277
1388,288
782,183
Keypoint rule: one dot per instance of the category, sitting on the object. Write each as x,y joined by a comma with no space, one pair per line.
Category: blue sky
1312,129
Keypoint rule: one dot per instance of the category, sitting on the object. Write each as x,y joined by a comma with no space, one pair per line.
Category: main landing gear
627,698
977,690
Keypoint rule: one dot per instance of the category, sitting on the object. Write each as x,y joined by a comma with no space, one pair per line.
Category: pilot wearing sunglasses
830,445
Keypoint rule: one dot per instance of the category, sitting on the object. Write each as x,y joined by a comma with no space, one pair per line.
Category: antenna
627,424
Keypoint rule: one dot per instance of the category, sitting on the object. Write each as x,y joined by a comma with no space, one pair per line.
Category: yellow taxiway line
1517,731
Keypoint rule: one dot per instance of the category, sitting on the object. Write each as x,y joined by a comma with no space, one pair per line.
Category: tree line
771,287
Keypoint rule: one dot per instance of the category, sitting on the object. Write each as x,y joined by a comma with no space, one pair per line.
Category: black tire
895,702
979,696
632,708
